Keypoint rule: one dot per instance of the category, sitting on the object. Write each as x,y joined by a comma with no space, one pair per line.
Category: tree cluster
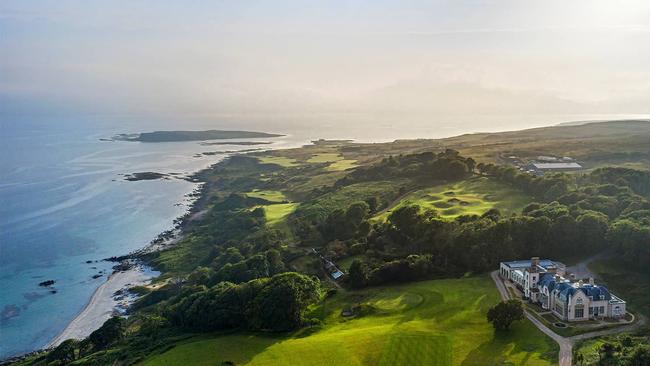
277,303
426,166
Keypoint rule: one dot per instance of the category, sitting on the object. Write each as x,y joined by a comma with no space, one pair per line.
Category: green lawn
325,158
342,164
338,162
276,213
271,196
278,160
439,322
469,197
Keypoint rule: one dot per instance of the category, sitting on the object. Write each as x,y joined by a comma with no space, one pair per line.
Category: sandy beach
101,305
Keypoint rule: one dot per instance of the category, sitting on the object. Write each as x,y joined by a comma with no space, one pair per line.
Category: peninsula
175,136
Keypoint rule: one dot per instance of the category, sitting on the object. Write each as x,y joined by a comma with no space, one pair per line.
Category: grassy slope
471,197
278,160
440,322
276,213
271,196
336,160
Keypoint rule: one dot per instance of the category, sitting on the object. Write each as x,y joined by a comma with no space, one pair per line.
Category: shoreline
103,304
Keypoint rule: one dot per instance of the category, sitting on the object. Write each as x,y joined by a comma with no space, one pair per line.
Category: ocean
64,202
65,206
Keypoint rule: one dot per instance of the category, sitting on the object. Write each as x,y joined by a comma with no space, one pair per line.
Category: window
591,310
579,301
602,310
580,313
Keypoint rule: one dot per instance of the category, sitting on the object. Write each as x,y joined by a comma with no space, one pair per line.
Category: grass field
470,197
440,322
336,160
278,212
271,196
278,160
325,158
342,164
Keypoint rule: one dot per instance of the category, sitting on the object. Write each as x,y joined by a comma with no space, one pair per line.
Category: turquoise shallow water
63,202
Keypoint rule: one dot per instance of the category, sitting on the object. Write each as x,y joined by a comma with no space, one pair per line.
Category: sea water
64,202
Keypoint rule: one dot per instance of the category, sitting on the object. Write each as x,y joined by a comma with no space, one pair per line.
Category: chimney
580,283
557,278
591,281
534,262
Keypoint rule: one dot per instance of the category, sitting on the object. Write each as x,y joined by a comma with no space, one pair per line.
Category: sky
282,57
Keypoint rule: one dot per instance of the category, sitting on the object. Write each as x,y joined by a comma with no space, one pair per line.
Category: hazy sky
432,58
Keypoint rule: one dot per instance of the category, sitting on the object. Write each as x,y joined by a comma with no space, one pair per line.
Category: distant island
242,143
174,136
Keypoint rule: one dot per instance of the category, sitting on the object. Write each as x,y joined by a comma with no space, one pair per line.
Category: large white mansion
543,282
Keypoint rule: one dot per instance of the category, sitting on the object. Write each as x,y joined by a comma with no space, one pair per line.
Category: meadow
278,209
336,161
271,196
470,197
436,322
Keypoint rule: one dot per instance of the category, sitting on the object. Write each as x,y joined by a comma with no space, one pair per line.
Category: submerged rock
9,311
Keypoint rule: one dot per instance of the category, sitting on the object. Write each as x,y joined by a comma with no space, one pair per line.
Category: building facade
543,282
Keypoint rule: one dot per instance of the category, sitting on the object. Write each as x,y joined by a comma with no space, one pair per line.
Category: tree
152,325
641,357
358,274
110,332
580,358
230,255
200,276
281,302
274,260
505,313
606,350
64,353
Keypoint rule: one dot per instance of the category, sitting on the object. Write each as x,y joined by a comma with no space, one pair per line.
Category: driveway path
565,343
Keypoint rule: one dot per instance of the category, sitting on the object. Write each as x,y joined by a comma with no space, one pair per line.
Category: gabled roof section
548,281
596,292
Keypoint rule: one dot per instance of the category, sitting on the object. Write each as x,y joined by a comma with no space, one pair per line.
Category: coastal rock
124,265
97,276
134,177
47,283
8,312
